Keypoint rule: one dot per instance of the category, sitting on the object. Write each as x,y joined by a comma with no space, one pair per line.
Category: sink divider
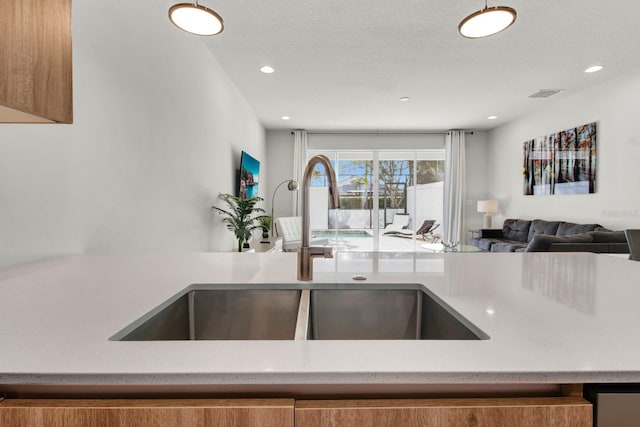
302,322
418,315
191,309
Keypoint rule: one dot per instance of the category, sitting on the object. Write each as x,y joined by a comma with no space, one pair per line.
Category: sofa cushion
516,229
542,242
568,228
485,244
540,226
508,246
608,236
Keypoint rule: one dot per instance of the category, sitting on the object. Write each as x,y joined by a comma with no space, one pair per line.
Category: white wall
280,168
616,203
157,134
477,165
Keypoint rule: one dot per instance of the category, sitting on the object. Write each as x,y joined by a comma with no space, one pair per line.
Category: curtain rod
332,132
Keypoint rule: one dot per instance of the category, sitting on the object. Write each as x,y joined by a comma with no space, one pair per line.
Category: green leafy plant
265,222
240,216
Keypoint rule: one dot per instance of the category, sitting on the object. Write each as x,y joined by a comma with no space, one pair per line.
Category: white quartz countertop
551,318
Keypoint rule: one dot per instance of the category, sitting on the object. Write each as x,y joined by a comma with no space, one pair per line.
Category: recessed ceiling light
267,69
492,117
405,99
593,69
285,117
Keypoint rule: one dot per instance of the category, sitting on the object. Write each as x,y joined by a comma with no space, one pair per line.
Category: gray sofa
521,235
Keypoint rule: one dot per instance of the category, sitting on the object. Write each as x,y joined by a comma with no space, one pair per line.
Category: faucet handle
305,259
328,252
320,251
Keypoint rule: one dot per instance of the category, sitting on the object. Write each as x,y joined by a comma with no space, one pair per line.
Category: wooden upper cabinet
35,61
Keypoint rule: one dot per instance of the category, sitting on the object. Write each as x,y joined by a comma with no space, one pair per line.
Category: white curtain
454,188
300,142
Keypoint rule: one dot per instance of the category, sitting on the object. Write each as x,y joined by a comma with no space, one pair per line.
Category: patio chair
426,231
399,224
290,229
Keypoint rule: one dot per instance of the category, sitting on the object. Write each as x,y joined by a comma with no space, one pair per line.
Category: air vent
545,93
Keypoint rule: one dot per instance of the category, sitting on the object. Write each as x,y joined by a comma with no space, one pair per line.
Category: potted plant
239,216
265,222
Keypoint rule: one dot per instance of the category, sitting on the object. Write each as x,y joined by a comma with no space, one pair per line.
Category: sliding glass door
384,197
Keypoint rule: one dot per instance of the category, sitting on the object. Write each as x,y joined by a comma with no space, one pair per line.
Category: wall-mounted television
249,172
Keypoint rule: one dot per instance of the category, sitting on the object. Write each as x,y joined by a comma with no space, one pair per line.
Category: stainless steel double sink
296,312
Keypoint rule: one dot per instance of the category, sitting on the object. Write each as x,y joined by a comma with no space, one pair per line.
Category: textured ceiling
344,65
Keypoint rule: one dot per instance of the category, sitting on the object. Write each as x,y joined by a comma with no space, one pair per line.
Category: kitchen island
552,320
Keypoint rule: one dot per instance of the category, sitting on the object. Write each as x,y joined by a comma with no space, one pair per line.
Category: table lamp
487,207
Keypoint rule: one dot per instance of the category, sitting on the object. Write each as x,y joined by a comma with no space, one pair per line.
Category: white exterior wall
425,201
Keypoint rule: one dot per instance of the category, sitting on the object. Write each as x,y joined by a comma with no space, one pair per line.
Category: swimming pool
341,233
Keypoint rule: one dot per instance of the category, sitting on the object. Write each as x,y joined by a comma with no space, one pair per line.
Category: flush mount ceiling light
196,19
285,118
492,118
487,22
267,69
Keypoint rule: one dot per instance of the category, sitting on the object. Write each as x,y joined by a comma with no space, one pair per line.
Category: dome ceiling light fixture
487,22
196,19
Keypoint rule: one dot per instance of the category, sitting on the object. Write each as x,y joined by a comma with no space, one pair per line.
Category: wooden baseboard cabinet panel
476,412
147,412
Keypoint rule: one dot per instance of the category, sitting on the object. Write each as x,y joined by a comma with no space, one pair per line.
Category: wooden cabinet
35,61
477,412
147,412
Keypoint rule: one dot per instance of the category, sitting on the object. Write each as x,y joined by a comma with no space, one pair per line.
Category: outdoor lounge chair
425,232
399,224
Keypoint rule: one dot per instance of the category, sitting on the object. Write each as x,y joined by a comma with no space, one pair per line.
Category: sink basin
223,314
309,312
385,314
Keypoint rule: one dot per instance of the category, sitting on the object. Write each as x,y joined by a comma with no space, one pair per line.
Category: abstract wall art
561,163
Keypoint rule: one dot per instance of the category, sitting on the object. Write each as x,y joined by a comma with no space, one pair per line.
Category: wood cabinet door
147,412
36,66
476,412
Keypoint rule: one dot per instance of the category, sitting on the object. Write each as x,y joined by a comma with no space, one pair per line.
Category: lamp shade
488,206
487,22
196,19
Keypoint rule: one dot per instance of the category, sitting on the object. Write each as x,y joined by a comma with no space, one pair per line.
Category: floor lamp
292,185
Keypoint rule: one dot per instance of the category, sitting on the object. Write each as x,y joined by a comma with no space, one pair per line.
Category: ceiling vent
545,93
